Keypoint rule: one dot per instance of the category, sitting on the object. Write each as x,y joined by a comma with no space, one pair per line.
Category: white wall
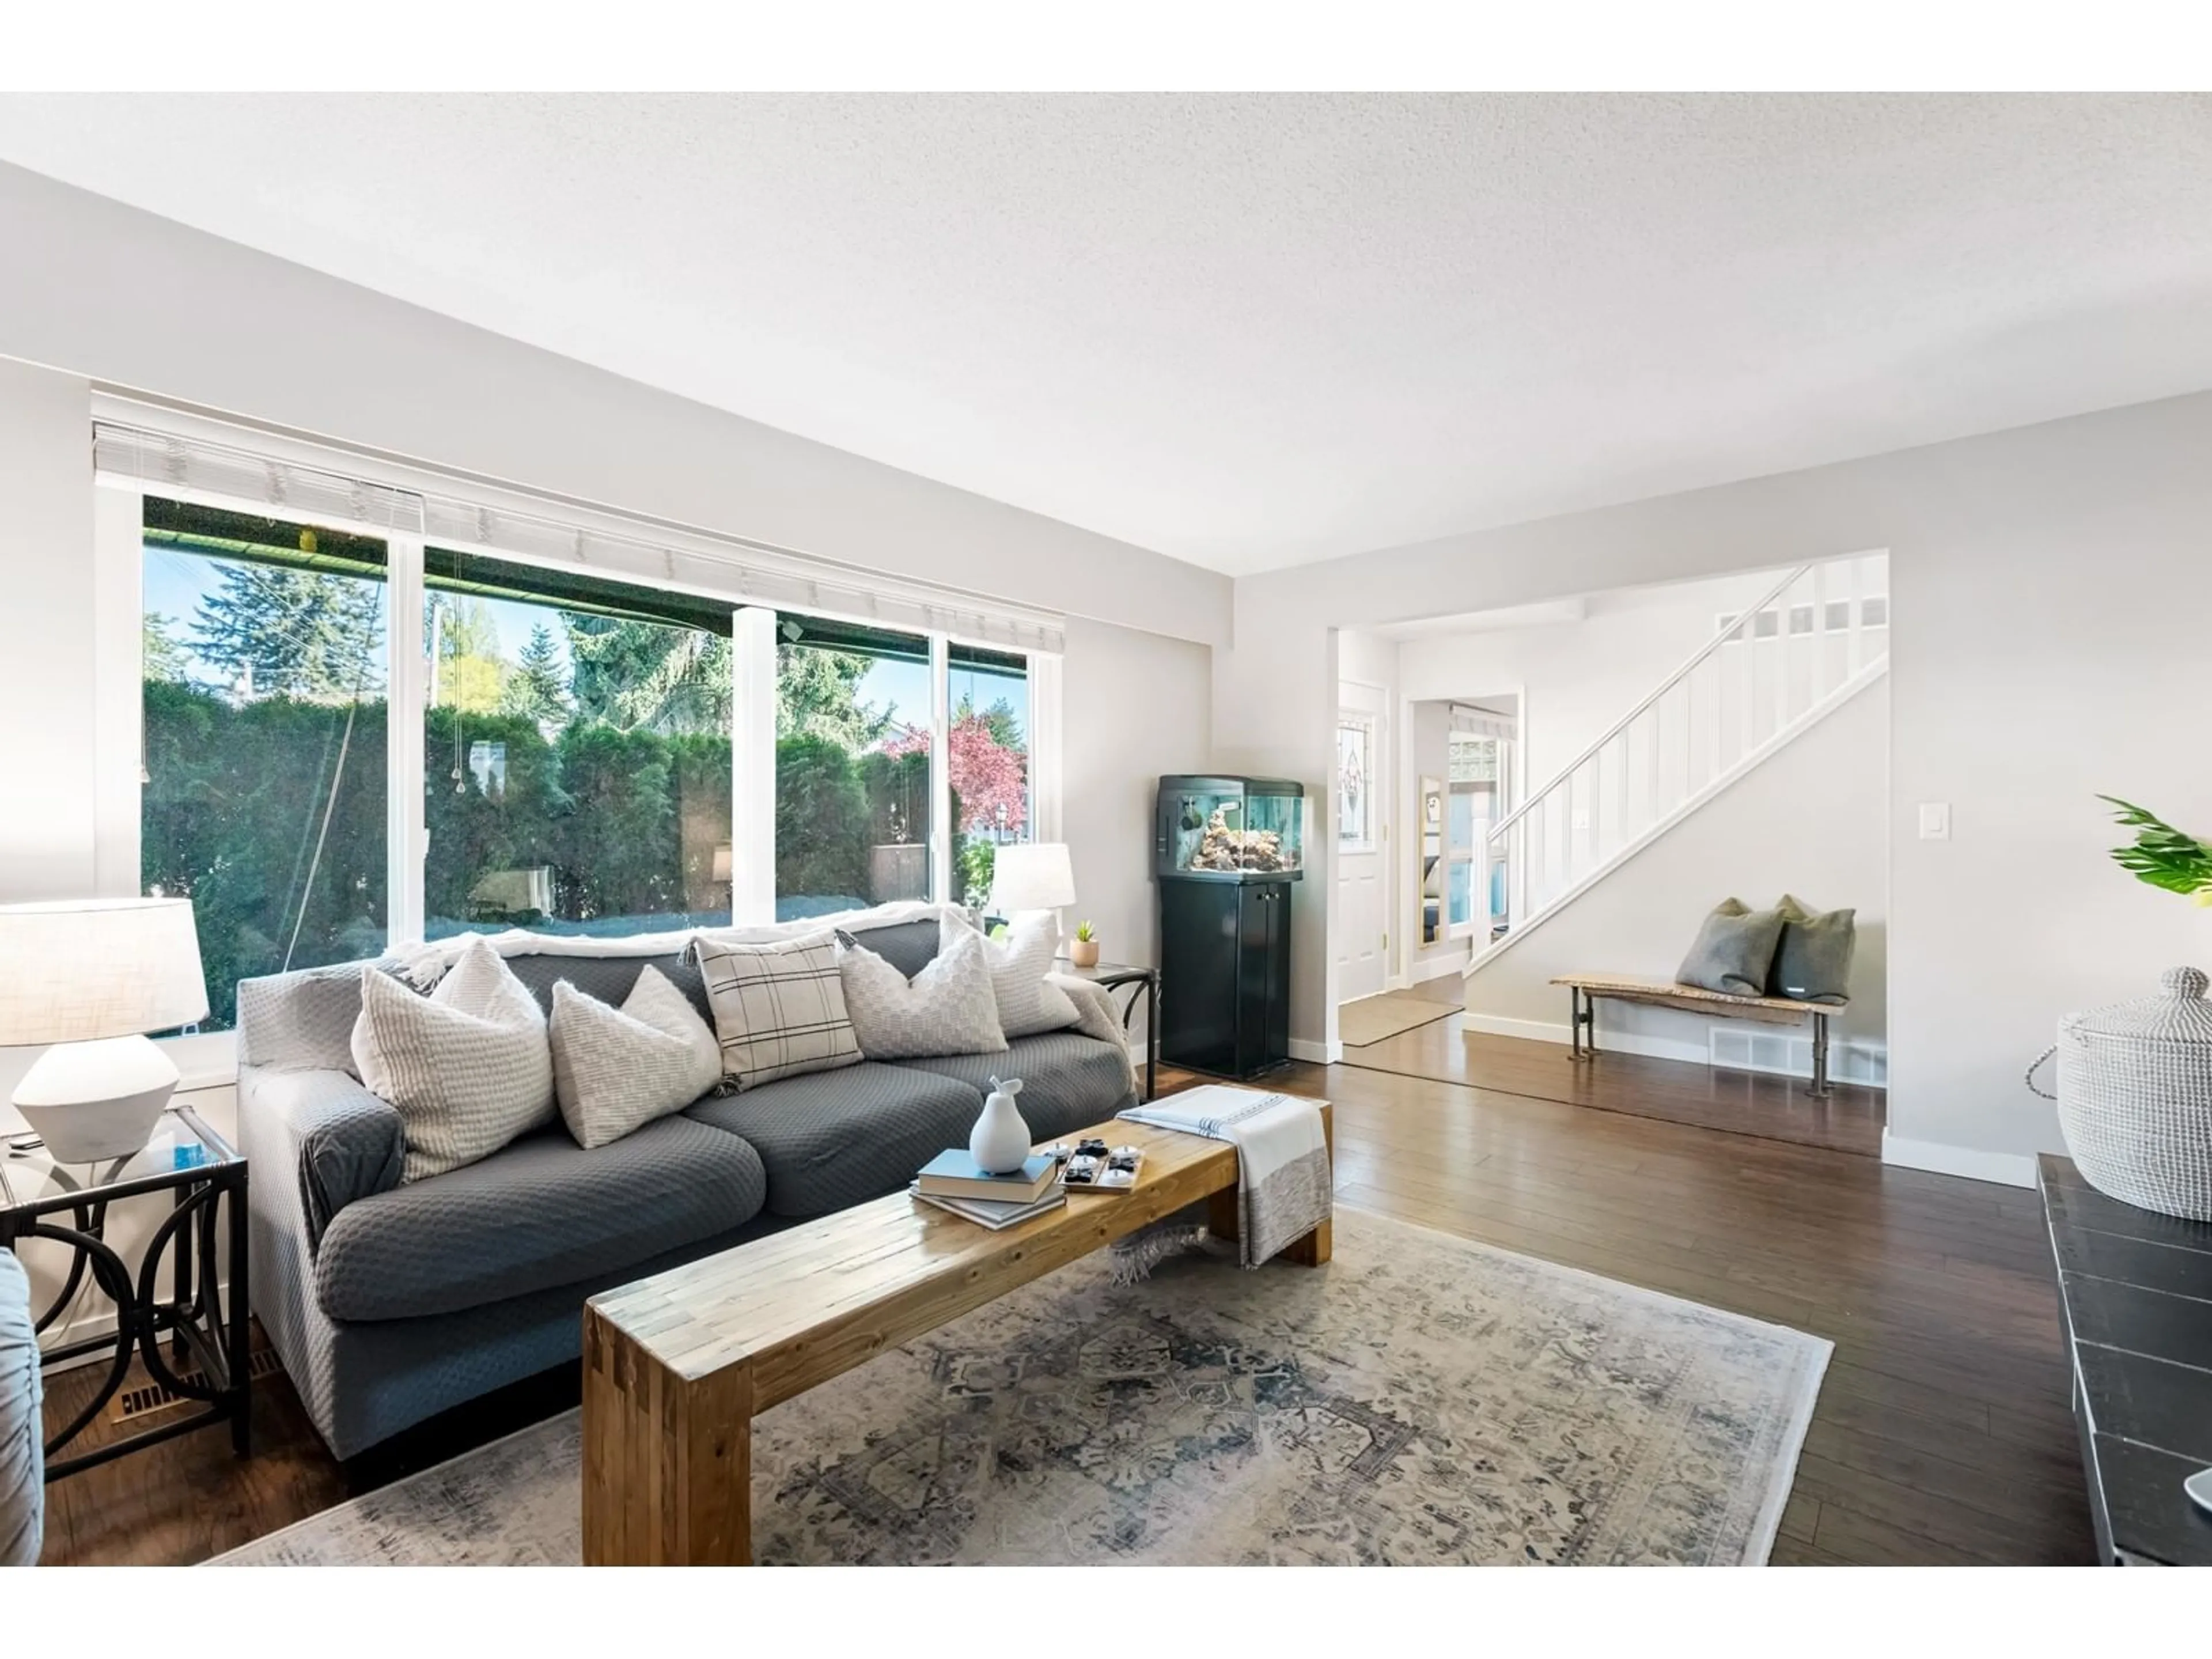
1812,821
142,303
2047,645
1137,706
46,641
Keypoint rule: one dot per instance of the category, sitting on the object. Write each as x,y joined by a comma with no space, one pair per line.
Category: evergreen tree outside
538,689
648,676
298,634
818,694
160,653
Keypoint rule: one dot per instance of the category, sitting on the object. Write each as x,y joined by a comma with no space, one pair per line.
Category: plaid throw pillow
779,1009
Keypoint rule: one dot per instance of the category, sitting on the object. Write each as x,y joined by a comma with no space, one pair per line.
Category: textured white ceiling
1253,330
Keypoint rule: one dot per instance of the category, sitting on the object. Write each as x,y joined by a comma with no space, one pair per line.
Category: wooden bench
1584,990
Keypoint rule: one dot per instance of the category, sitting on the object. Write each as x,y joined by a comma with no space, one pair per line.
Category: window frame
118,581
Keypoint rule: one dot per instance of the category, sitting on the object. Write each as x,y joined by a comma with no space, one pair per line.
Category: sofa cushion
616,1069
608,979
1069,1081
1021,962
467,1066
835,1138
542,1213
908,946
948,1008
779,1008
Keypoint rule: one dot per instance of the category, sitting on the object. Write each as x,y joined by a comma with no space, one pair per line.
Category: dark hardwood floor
1744,1103
1942,1433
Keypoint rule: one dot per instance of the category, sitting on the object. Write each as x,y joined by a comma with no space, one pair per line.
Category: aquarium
1230,829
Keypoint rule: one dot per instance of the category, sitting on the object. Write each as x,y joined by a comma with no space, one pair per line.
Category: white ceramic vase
1000,1141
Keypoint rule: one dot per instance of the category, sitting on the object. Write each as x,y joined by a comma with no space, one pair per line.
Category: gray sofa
391,1304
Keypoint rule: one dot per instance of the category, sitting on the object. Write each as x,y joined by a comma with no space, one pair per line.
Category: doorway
1362,932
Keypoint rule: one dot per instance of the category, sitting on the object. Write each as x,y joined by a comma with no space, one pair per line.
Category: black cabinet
1227,852
1225,976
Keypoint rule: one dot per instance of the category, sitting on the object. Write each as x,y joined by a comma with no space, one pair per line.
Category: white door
1362,802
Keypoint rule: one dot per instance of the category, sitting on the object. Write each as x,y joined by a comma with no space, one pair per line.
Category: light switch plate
1935,820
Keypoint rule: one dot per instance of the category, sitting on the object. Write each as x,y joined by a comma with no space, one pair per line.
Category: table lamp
92,977
1031,876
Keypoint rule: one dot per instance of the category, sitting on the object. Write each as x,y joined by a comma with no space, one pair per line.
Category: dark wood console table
2135,1296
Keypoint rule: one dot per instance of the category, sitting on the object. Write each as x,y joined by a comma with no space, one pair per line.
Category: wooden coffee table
677,1365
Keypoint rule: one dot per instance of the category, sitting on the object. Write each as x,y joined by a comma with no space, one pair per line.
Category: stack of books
953,1181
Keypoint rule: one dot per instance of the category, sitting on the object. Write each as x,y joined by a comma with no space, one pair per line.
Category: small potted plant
1083,949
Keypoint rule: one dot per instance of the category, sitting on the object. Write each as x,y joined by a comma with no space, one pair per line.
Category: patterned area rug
1422,1400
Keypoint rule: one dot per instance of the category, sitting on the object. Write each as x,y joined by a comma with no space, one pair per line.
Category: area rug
1422,1400
1370,1019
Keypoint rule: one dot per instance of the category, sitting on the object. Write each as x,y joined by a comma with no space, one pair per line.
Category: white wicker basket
2135,1097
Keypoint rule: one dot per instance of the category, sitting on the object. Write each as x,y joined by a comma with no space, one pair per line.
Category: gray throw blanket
1282,1158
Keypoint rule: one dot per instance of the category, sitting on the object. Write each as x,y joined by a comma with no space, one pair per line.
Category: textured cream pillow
948,1008
1028,1002
779,1008
618,1069
467,1066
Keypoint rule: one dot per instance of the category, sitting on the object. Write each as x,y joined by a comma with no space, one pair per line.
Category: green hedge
234,799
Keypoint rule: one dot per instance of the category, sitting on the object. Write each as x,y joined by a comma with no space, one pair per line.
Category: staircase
1815,640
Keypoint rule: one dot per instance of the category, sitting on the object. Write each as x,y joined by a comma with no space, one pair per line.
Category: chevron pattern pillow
779,1007
948,1008
467,1066
618,1069
1028,1002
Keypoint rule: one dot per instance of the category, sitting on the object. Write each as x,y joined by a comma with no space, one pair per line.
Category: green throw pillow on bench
1812,963
1734,951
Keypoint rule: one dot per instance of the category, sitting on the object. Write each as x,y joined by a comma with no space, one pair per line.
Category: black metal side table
200,1326
1112,976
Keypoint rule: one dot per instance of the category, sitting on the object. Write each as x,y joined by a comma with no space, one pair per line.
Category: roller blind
194,468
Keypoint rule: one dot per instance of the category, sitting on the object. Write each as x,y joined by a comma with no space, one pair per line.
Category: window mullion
752,766
944,834
406,672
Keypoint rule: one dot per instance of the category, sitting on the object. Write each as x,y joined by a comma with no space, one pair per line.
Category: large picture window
578,748
988,759
575,752
853,797
263,790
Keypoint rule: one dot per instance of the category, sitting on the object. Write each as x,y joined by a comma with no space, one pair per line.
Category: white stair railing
1817,634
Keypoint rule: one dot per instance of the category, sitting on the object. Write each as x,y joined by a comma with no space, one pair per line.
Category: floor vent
148,1398
1752,1049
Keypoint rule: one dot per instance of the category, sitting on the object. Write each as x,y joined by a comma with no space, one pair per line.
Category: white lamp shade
1031,876
80,969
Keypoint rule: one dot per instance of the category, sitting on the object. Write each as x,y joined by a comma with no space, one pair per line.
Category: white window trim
118,554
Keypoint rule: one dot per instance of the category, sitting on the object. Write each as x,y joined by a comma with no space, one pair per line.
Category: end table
201,1325
1145,983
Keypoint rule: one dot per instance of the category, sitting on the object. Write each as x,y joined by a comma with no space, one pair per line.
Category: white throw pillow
779,1008
618,1069
948,1008
1028,1002
467,1067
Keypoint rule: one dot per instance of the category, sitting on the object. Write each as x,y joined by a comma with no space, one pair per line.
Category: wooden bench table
1584,989
677,1366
